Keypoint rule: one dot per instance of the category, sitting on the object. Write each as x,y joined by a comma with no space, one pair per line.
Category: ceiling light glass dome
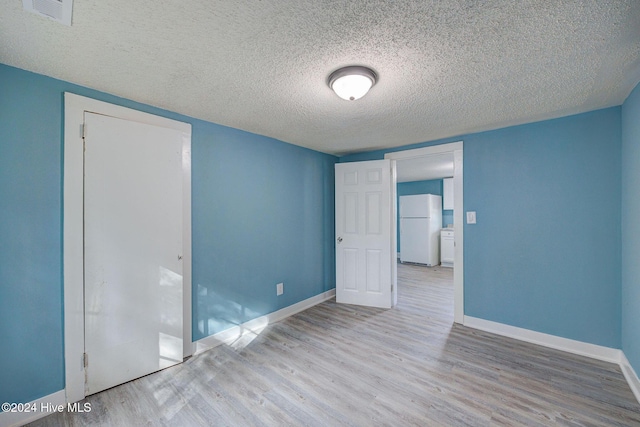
351,83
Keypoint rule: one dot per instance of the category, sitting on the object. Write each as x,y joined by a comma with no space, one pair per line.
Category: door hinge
85,360
83,130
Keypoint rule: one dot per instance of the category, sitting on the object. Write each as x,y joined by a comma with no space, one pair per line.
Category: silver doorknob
339,239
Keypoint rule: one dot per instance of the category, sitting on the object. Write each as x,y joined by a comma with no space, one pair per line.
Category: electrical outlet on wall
279,288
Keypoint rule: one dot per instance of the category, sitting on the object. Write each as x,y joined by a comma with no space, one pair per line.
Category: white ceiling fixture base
58,10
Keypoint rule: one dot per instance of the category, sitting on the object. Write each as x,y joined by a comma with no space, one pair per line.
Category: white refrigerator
420,225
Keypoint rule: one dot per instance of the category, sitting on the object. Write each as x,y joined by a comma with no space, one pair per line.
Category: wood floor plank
344,365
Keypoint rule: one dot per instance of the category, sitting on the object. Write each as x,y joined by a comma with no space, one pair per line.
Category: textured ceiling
445,67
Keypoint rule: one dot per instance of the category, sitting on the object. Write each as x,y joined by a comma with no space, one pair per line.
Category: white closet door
133,243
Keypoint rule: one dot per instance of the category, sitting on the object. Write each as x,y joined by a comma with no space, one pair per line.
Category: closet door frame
73,235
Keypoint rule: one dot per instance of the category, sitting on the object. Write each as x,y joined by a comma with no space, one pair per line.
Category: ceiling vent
58,10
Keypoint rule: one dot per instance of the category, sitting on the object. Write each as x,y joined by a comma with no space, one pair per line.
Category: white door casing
363,233
133,250
73,230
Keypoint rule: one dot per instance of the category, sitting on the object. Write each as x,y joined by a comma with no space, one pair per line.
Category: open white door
133,250
364,204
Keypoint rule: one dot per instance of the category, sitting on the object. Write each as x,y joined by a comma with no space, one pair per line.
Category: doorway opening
421,171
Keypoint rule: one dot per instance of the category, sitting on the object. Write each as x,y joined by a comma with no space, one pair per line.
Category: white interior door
363,233
133,243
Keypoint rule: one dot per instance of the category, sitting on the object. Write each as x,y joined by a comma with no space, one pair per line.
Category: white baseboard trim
630,375
565,344
37,409
238,335
593,351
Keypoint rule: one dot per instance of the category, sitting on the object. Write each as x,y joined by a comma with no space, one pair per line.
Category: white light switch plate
471,217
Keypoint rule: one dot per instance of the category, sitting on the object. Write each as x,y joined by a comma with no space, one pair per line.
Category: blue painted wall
525,265
31,315
433,186
447,217
262,213
631,228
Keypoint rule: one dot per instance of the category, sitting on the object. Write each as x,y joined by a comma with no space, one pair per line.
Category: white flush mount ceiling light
353,82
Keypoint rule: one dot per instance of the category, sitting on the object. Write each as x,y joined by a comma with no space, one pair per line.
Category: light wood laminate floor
336,365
